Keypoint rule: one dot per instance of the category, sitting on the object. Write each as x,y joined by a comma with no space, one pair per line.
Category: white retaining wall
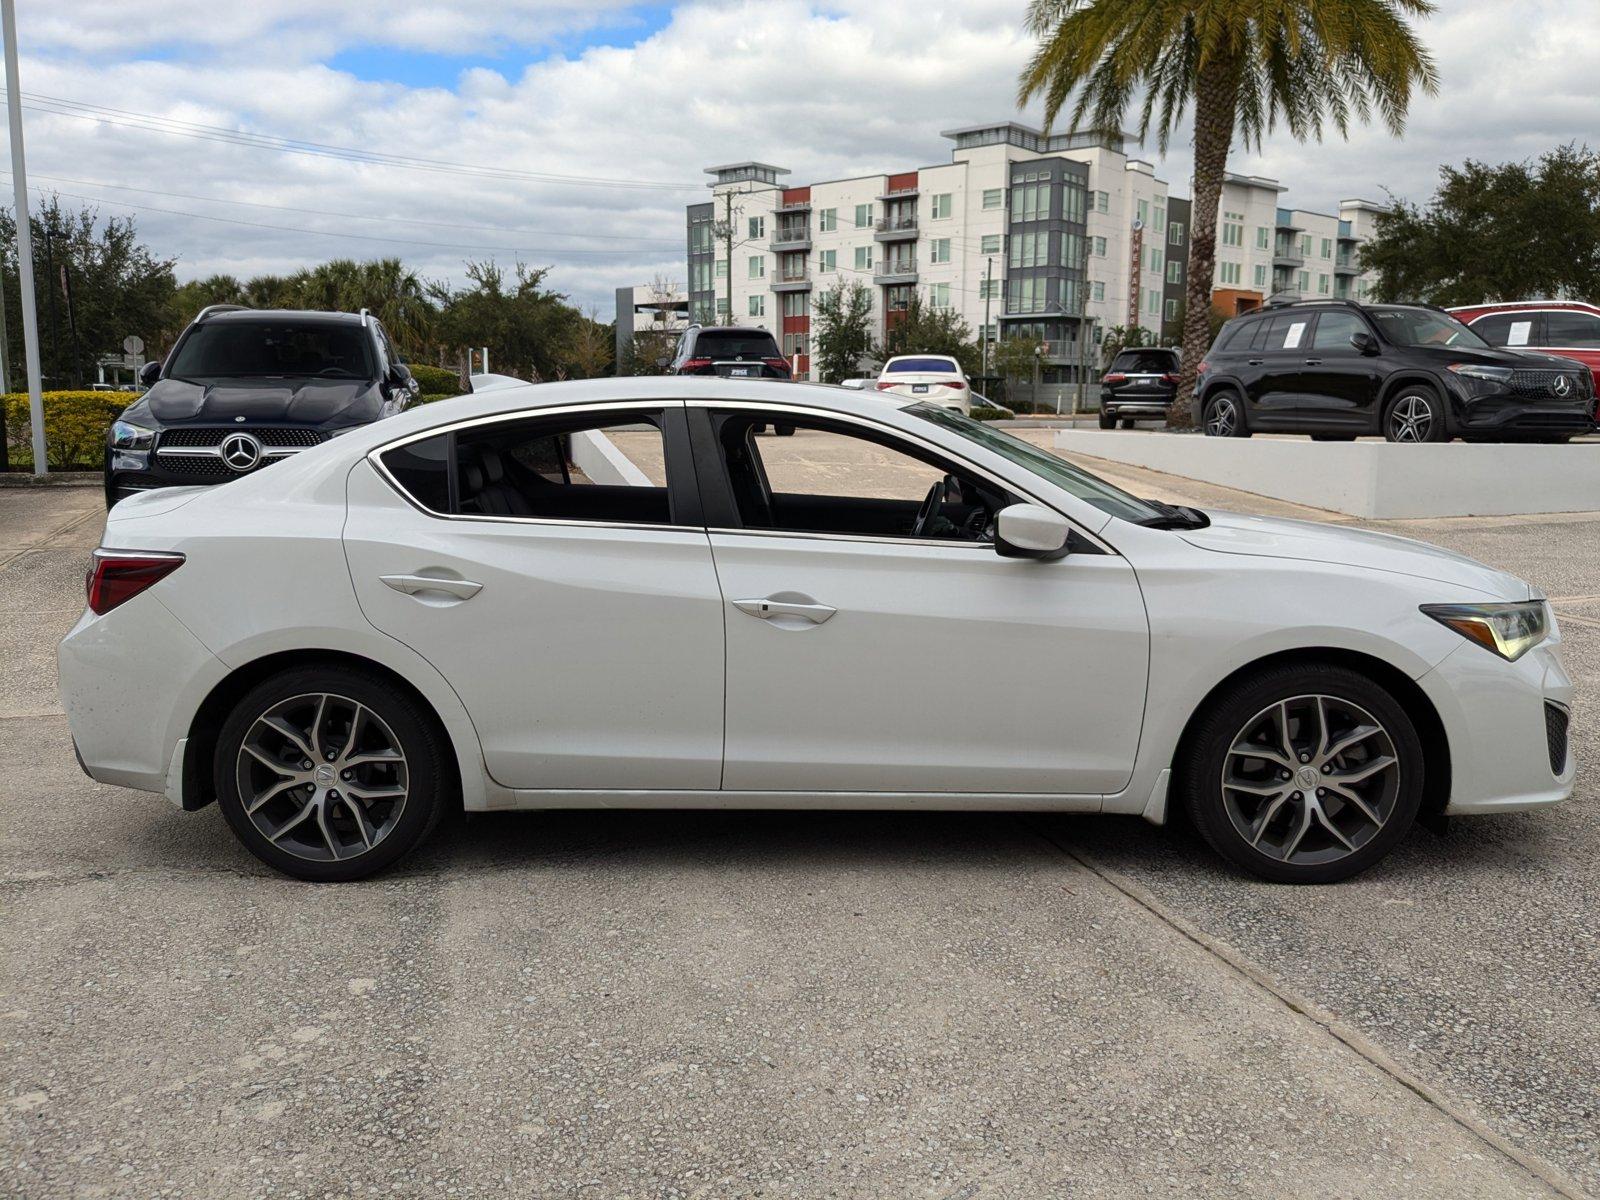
1367,478
597,456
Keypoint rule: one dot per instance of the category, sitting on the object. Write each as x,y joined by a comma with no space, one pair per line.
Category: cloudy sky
571,133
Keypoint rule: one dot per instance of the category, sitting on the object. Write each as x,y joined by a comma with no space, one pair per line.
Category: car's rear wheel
1107,420
1415,415
1304,774
329,773
1224,416
1127,423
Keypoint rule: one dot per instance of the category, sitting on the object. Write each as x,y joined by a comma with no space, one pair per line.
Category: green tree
1495,233
841,331
1120,337
528,329
1245,65
927,330
1017,358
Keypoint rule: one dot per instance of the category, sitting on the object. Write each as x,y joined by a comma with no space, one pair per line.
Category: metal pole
5,345
988,277
19,177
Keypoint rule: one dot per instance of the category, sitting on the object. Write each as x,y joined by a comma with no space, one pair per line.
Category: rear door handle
1255,362
768,607
461,589
1313,362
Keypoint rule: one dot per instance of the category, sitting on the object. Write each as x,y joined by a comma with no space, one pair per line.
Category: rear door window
1512,329
1572,330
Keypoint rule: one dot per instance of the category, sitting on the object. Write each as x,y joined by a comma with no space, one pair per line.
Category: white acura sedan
612,594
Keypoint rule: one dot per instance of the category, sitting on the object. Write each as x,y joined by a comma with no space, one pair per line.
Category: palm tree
1245,65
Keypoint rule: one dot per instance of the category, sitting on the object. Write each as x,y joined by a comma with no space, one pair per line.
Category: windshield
943,365
1422,327
1058,471
233,349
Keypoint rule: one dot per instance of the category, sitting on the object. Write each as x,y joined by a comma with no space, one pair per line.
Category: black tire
1127,422
1415,414
1107,420
784,430
428,784
1217,422
1333,437
1229,717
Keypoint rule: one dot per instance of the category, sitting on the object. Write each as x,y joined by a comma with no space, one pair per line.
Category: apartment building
1056,237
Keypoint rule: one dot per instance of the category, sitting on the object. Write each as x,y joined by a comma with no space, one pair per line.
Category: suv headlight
127,436
1509,630
1482,378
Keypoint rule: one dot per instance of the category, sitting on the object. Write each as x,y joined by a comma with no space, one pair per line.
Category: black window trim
683,494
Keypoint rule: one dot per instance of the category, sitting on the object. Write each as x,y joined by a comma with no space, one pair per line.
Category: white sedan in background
610,593
933,378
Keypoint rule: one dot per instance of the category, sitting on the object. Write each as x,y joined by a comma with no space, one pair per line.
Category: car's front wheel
1415,415
1107,420
1304,774
329,773
1224,416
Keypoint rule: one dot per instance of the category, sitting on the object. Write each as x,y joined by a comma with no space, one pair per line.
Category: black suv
1339,370
731,351
243,388
1138,386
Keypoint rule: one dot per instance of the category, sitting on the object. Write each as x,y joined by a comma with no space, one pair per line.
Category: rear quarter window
422,469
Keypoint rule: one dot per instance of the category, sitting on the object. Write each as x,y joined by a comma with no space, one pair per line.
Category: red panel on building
797,195
796,325
906,181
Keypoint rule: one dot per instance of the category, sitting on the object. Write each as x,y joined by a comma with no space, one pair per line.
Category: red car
1566,328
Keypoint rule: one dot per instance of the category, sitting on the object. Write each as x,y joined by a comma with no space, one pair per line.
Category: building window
827,261
758,306
1155,259
1263,238
1026,295
1327,247
1322,285
990,244
863,258
699,277
758,227
988,289
1302,281
1030,202
700,237
1227,272
1174,271
1160,221
722,306
863,215
758,266
1102,202
1261,276
1030,249
1305,245
1099,247
1232,229
1174,234
939,296
1152,302
722,268
1071,250
941,251
1098,289
1172,310
796,304
941,206
994,197
828,220
795,343
1144,213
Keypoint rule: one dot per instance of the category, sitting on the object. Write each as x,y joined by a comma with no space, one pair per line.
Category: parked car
1569,328
731,351
1337,370
435,611
934,378
245,388
1139,385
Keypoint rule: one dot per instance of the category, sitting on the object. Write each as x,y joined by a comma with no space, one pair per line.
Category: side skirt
528,799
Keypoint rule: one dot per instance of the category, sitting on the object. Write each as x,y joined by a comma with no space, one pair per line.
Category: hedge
435,381
75,426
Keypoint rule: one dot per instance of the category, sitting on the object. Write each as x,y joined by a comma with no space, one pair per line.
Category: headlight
1510,630
1484,378
127,436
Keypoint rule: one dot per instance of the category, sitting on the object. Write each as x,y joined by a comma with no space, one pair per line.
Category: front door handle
1255,362
1313,362
769,607
461,589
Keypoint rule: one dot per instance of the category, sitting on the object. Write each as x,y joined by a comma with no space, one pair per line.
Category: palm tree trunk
1216,93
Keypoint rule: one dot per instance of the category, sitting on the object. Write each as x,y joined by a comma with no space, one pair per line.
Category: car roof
240,316
1489,306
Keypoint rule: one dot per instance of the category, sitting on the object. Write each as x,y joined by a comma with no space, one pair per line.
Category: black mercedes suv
731,351
1338,370
244,388
1138,386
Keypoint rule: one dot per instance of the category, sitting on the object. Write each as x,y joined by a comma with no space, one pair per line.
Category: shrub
987,412
75,425
434,397
435,381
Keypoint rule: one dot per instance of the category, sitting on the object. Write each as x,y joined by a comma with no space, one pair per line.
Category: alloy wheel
1310,780
322,777
1411,419
1222,418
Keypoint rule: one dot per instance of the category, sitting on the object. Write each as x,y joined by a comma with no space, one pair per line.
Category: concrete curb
26,479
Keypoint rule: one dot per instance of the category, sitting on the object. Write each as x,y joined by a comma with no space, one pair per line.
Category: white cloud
856,86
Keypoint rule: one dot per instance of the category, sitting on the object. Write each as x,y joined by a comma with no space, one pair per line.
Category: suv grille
270,436
1535,384
1555,732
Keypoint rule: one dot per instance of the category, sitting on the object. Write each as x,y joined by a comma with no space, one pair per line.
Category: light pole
19,177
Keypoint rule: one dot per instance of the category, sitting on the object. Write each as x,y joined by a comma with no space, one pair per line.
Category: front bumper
1494,718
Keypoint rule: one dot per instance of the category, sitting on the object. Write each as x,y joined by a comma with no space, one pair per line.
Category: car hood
1445,355
300,401
1273,537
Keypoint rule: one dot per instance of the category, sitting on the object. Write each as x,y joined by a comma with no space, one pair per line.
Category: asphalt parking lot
797,1004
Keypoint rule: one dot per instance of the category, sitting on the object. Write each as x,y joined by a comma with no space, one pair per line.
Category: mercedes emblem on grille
1561,385
241,451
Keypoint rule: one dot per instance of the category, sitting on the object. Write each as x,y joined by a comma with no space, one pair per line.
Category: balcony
910,193
895,229
1346,266
791,237
895,270
792,281
795,206
1286,254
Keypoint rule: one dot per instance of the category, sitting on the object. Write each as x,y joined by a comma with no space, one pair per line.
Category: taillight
1202,368
695,364
117,576
955,385
1115,377
1169,377
884,385
777,364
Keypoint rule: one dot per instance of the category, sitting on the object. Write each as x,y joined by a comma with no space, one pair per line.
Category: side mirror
662,362
149,373
1364,342
402,380
1028,531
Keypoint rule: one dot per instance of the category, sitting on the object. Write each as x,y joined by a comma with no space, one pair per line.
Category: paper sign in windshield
1519,333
